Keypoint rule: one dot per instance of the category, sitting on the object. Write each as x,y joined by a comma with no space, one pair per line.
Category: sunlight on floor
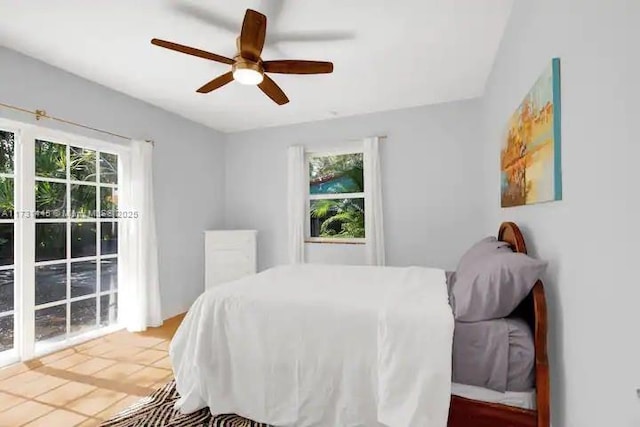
86,384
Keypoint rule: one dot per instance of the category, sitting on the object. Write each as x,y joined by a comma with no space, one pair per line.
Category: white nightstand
229,255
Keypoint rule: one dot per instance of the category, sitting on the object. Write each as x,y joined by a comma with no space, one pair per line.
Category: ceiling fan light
247,76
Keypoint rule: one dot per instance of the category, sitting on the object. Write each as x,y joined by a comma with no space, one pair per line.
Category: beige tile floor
86,384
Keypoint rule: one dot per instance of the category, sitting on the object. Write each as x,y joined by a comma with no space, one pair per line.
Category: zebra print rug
157,411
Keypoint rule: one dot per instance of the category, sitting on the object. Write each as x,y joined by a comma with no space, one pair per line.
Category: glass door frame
25,136
13,355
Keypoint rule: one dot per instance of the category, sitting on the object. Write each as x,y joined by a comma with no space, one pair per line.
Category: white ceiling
396,54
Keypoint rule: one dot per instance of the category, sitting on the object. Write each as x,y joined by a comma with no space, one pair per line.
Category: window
336,197
59,275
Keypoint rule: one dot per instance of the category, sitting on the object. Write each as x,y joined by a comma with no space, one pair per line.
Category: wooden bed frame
473,413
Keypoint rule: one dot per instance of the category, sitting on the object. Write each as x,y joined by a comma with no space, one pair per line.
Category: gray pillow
488,245
492,285
497,354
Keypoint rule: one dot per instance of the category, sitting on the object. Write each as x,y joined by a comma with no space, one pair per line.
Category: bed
339,346
466,412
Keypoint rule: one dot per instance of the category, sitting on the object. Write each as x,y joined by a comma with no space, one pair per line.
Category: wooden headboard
534,310
510,233
465,412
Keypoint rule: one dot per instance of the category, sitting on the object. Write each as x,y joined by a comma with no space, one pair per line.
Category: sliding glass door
7,240
59,215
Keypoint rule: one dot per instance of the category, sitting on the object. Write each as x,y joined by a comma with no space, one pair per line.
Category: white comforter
311,345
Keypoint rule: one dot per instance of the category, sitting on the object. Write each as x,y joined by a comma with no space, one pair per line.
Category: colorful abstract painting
530,154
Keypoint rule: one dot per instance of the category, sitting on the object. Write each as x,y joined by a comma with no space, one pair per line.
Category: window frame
349,149
25,136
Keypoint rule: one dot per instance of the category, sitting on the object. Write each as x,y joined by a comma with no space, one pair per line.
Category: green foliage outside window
51,199
337,217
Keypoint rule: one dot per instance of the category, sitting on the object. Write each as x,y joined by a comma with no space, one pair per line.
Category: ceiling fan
247,67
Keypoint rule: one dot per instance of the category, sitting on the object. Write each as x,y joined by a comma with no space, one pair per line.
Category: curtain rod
42,114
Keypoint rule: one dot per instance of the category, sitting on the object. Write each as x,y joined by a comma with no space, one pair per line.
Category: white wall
431,182
591,237
188,169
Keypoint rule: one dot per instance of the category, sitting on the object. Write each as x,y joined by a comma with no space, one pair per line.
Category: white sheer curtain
139,285
374,225
298,182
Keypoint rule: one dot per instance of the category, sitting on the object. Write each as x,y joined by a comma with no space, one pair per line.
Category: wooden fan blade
191,51
273,91
309,36
254,29
298,67
206,16
216,83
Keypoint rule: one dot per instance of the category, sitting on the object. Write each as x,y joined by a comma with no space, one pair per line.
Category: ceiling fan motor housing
246,71
241,63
